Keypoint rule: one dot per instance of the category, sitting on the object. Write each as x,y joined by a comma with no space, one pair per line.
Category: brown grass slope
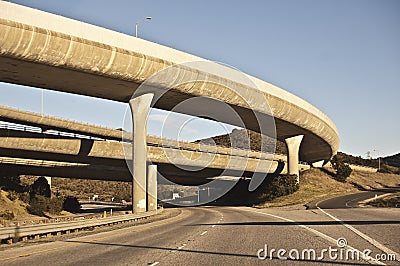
317,184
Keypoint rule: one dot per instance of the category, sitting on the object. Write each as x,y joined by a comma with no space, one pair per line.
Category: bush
7,215
25,197
397,172
55,205
12,195
343,170
281,185
38,205
71,204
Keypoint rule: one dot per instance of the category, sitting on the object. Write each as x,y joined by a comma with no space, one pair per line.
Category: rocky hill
239,138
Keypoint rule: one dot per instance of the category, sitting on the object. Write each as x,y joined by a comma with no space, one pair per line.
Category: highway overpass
44,145
48,51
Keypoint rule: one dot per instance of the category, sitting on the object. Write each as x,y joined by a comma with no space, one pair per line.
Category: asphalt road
352,200
227,236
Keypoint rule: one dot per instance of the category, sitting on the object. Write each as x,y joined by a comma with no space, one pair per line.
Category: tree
41,187
343,170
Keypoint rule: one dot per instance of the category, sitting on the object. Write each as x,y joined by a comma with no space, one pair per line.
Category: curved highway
44,50
353,200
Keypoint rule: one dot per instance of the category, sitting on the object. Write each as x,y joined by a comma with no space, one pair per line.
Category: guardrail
16,233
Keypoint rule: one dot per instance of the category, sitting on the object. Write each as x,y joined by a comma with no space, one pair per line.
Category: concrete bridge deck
41,151
48,51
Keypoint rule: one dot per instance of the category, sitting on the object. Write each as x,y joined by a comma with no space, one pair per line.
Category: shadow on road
307,223
210,252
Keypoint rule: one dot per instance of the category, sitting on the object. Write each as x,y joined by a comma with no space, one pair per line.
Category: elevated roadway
44,145
44,50
48,51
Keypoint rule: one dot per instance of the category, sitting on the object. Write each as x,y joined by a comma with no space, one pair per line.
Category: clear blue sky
342,56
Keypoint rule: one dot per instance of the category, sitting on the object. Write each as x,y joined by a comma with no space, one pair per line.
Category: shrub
397,172
343,170
25,197
12,195
280,186
7,215
55,205
38,205
71,204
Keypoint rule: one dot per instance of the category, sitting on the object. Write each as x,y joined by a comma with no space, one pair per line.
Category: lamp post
379,159
137,24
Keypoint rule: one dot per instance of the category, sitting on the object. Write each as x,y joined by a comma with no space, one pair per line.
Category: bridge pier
293,145
140,107
48,178
318,164
152,188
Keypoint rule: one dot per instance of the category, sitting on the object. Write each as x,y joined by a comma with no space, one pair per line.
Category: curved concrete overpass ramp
48,51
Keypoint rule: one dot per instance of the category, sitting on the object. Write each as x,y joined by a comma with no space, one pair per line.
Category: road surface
352,200
226,236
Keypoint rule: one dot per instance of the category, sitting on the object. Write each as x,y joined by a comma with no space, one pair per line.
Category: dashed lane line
205,232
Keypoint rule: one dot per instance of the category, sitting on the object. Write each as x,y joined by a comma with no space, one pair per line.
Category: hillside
239,139
10,204
316,184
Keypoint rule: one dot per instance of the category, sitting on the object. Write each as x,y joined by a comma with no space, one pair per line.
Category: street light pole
379,160
137,25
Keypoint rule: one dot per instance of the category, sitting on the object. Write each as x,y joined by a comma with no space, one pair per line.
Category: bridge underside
313,148
94,172
27,153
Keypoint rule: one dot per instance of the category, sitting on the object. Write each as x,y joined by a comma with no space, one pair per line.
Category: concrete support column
152,188
140,107
318,164
48,178
293,145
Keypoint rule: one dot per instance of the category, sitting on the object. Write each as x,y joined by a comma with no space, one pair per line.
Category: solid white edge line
361,234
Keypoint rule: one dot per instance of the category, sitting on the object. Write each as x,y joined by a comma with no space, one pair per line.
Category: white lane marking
326,237
213,226
361,234
205,232
155,263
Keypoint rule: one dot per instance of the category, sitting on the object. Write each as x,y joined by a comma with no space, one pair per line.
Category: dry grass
316,184
16,206
374,180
